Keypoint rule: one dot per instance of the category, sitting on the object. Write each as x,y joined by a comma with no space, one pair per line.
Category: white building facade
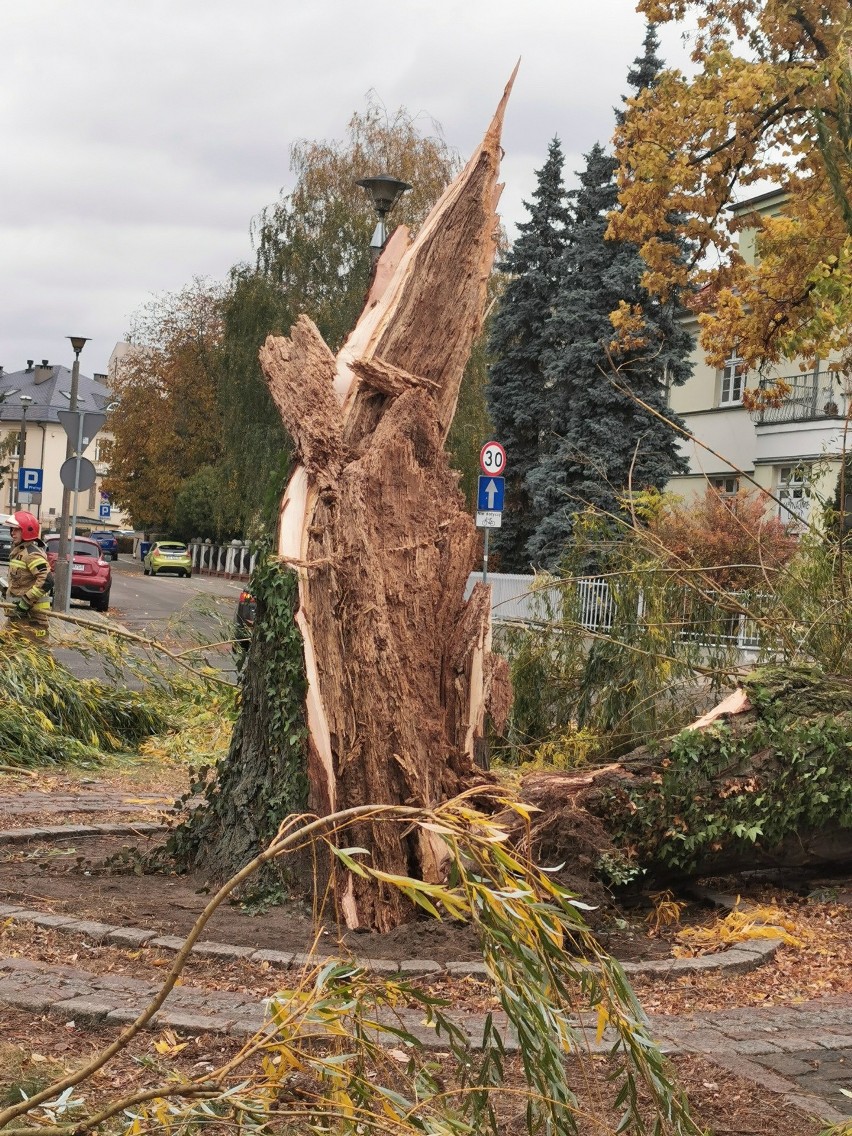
31,398
793,450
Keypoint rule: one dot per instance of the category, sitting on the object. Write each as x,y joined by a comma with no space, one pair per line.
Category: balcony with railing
810,398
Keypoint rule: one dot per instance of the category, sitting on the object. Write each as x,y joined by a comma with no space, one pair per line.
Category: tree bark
759,782
399,666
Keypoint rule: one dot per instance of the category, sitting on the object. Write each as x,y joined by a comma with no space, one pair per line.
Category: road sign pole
489,506
69,556
63,560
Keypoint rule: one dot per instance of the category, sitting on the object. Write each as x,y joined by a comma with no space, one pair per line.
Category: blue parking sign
104,511
29,480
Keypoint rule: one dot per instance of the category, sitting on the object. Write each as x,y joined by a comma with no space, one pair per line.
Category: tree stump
399,666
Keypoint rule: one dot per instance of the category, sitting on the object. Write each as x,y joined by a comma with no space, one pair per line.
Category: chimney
29,365
99,378
43,372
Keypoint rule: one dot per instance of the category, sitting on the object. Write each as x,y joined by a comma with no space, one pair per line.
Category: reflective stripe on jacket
28,572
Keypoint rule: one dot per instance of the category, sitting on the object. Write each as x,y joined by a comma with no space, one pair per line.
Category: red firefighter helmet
28,524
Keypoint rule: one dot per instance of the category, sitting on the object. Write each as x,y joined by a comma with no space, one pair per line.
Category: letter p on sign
29,480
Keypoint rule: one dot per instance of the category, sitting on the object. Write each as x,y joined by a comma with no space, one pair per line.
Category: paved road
170,605
177,612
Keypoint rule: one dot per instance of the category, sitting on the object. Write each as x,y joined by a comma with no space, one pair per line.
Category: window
726,486
91,504
794,491
101,450
733,382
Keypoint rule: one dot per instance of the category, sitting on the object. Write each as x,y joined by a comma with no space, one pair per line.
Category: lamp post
26,399
384,192
63,559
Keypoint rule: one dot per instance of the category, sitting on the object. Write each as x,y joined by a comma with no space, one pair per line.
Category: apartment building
30,399
792,450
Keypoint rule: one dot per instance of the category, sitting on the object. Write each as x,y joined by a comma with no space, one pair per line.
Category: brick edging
76,831
744,957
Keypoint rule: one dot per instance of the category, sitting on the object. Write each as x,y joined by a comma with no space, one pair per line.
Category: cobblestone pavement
88,800
803,1052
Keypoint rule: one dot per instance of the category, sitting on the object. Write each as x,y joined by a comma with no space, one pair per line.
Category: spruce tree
516,386
646,67
602,443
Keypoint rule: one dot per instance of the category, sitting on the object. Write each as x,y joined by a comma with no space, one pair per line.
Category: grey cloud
140,140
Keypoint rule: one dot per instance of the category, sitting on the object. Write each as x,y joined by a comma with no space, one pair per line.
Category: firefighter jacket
30,578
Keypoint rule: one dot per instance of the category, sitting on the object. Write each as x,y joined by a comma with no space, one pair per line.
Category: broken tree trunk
399,667
764,781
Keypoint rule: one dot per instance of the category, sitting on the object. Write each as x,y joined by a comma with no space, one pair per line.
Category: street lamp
63,559
384,192
25,400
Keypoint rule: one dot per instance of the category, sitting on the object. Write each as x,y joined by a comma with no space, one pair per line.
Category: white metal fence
705,620
517,599
234,560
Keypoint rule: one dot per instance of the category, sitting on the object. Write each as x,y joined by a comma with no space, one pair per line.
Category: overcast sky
140,138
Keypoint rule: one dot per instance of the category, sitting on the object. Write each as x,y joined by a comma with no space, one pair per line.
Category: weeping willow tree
49,717
256,448
312,256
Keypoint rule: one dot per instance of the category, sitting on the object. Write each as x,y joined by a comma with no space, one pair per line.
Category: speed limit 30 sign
492,458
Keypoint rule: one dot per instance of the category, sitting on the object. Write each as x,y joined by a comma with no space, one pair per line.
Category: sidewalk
801,1052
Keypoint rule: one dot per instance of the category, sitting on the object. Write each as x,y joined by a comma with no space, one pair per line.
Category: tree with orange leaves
771,101
166,423
736,542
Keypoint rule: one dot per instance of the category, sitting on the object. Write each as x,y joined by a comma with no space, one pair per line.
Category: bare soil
72,877
105,879
33,1051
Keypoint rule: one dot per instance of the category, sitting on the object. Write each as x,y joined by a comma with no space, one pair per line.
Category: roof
753,204
45,385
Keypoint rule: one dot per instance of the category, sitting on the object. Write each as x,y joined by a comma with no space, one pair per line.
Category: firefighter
30,580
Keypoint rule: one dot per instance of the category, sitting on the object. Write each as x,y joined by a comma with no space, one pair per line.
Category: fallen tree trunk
399,666
764,781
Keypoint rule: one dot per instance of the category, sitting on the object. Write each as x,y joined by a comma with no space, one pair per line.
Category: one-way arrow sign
490,493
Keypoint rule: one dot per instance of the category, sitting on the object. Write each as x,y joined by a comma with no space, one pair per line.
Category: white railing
597,604
706,621
234,560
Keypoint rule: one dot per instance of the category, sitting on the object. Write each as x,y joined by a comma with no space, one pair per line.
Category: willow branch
135,637
278,847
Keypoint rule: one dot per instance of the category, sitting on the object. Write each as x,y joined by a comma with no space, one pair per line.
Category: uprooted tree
761,781
400,674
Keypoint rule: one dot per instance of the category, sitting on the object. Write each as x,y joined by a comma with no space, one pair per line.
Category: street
177,612
169,607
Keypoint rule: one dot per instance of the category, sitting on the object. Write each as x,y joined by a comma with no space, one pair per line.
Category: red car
91,575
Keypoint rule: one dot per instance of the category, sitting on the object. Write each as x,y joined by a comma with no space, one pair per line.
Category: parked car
5,537
108,542
244,620
167,556
91,575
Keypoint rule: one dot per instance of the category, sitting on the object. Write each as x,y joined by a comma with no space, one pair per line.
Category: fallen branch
134,637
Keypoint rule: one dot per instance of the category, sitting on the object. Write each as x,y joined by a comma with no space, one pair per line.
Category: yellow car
167,556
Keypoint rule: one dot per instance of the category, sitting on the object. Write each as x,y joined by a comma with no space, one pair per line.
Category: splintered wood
400,670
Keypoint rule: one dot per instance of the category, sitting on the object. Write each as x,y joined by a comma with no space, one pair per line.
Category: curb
76,831
741,959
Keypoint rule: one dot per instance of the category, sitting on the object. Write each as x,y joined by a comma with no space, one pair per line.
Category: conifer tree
516,385
602,444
